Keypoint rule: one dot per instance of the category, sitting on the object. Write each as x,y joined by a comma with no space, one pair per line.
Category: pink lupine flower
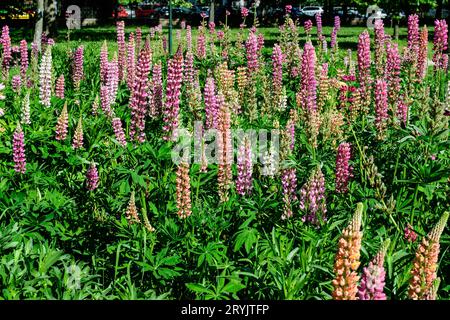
138,39
118,131
393,66
104,63
244,182
308,26
45,77
16,83
212,27
381,107
78,72
19,150
7,52
131,62
62,124
173,92
77,141
244,12
289,184
122,49
157,89
105,99
413,37
211,106
203,15
112,79
23,60
201,45
422,60
373,277
277,64
440,45
59,90
343,168
260,41
189,69
308,89
319,26
402,110
189,38
336,28
410,235
92,177
220,35
288,9
138,101
364,64
312,198
380,39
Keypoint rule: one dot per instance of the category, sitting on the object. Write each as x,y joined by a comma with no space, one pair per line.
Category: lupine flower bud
183,191
62,124
45,77
312,198
92,177
60,87
347,259
23,60
422,61
319,26
118,131
381,108
308,26
410,235
425,264
78,71
440,45
19,150
173,92
343,169
77,142
244,182
132,213
122,49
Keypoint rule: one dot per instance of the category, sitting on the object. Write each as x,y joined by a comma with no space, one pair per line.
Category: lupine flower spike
132,213
62,124
92,177
77,142
183,191
19,150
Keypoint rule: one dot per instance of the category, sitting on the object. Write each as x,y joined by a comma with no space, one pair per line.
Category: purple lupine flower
336,28
289,185
16,83
277,72
92,177
157,91
104,64
112,79
122,49
211,106
7,52
138,39
138,101
337,23
381,107
308,26
45,77
312,198
393,66
118,131
319,26
364,64
131,62
105,99
59,90
343,168
19,150
380,39
413,37
244,182
372,283
308,81
251,46
402,110
78,71
23,60
173,92
440,45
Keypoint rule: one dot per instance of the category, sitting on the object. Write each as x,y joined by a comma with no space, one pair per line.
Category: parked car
121,13
146,11
351,12
311,11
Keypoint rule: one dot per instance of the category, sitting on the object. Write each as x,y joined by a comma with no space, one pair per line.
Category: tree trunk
50,17
211,11
39,23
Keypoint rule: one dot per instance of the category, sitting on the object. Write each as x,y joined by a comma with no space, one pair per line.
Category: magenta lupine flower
393,66
381,107
104,64
16,83
319,27
118,131
402,110
277,72
343,168
212,27
189,69
288,9
173,92
211,106
308,26
45,77
122,49
312,198
244,12
413,36
380,39
23,60
7,52
308,81
260,39
59,90
336,28
157,91
440,45
138,101
92,177
220,35
105,99
201,45
422,59
78,71
189,38
19,150
337,23
364,63
289,186
131,62
410,235
244,182
112,79
138,39
251,46
372,282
